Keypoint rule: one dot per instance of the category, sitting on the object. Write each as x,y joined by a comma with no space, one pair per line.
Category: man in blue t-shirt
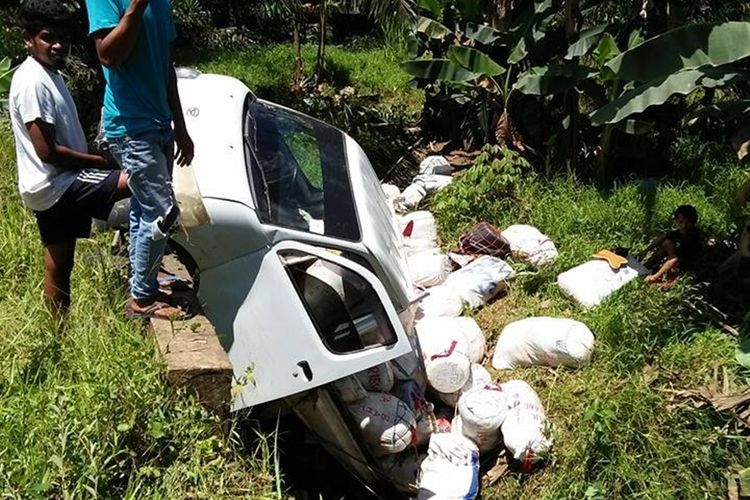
133,41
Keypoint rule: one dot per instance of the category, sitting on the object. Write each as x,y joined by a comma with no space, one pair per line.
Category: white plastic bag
480,280
428,267
593,281
525,423
445,355
451,469
432,183
441,302
478,377
378,378
436,165
482,410
386,422
543,342
527,243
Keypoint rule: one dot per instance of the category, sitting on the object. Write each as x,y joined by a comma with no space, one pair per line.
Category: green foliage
487,188
84,407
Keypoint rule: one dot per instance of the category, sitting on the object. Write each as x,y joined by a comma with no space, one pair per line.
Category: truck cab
300,263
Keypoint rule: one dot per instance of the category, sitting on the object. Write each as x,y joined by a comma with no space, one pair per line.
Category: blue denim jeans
148,160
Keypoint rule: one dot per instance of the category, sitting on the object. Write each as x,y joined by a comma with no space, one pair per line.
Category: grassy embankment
84,409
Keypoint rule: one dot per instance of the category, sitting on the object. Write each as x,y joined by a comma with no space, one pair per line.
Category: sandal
168,281
157,309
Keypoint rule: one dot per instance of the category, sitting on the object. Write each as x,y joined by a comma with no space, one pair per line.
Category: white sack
593,281
524,425
378,378
435,165
445,355
386,422
410,198
410,393
403,469
543,342
349,389
432,183
480,280
478,377
428,267
419,231
474,337
391,192
441,302
482,410
528,244
451,469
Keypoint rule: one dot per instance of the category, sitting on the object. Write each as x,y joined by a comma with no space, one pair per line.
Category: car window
345,309
299,172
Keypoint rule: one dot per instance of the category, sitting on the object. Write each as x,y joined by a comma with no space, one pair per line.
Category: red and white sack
403,469
480,280
528,244
451,469
428,267
543,342
349,389
435,165
441,302
482,410
445,354
478,377
410,198
525,423
387,423
423,410
378,378
419,231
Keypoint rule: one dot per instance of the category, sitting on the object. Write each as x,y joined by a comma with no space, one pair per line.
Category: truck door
308,317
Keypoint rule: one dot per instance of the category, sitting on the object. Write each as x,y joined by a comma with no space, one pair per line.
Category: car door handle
306,370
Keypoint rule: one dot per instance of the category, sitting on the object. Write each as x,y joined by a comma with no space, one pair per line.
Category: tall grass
618,431
84,409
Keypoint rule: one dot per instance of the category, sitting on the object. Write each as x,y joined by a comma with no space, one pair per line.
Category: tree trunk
297,77
606,143
572,30
320,62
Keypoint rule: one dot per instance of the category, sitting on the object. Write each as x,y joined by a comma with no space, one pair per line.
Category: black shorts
91,194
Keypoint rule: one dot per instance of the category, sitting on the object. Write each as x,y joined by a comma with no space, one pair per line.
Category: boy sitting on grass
58,178
677,250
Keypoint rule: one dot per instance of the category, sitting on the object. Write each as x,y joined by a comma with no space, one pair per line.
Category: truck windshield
299,172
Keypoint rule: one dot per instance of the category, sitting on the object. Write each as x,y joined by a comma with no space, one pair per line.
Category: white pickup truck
301,267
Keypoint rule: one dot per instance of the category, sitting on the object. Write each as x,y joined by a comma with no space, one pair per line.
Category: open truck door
307,317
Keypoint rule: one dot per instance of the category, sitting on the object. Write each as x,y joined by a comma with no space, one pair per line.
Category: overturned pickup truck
301,270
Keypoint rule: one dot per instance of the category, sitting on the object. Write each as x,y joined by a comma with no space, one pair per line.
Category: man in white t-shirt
58,178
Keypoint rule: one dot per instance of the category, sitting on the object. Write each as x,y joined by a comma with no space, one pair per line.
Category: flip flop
157,309
169,281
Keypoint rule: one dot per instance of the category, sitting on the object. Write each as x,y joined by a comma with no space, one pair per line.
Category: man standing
133,41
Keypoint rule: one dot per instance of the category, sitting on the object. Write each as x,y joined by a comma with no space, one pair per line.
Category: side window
299,172
345,309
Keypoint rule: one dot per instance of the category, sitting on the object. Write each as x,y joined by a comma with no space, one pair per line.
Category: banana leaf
431,28
531,29
552,79
722,111
587,40
6,73
658,91
474,61
438,69
606,50
683,48
434,6
484,34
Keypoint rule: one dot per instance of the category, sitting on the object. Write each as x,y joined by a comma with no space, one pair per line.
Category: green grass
268,70
84,408
618,431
